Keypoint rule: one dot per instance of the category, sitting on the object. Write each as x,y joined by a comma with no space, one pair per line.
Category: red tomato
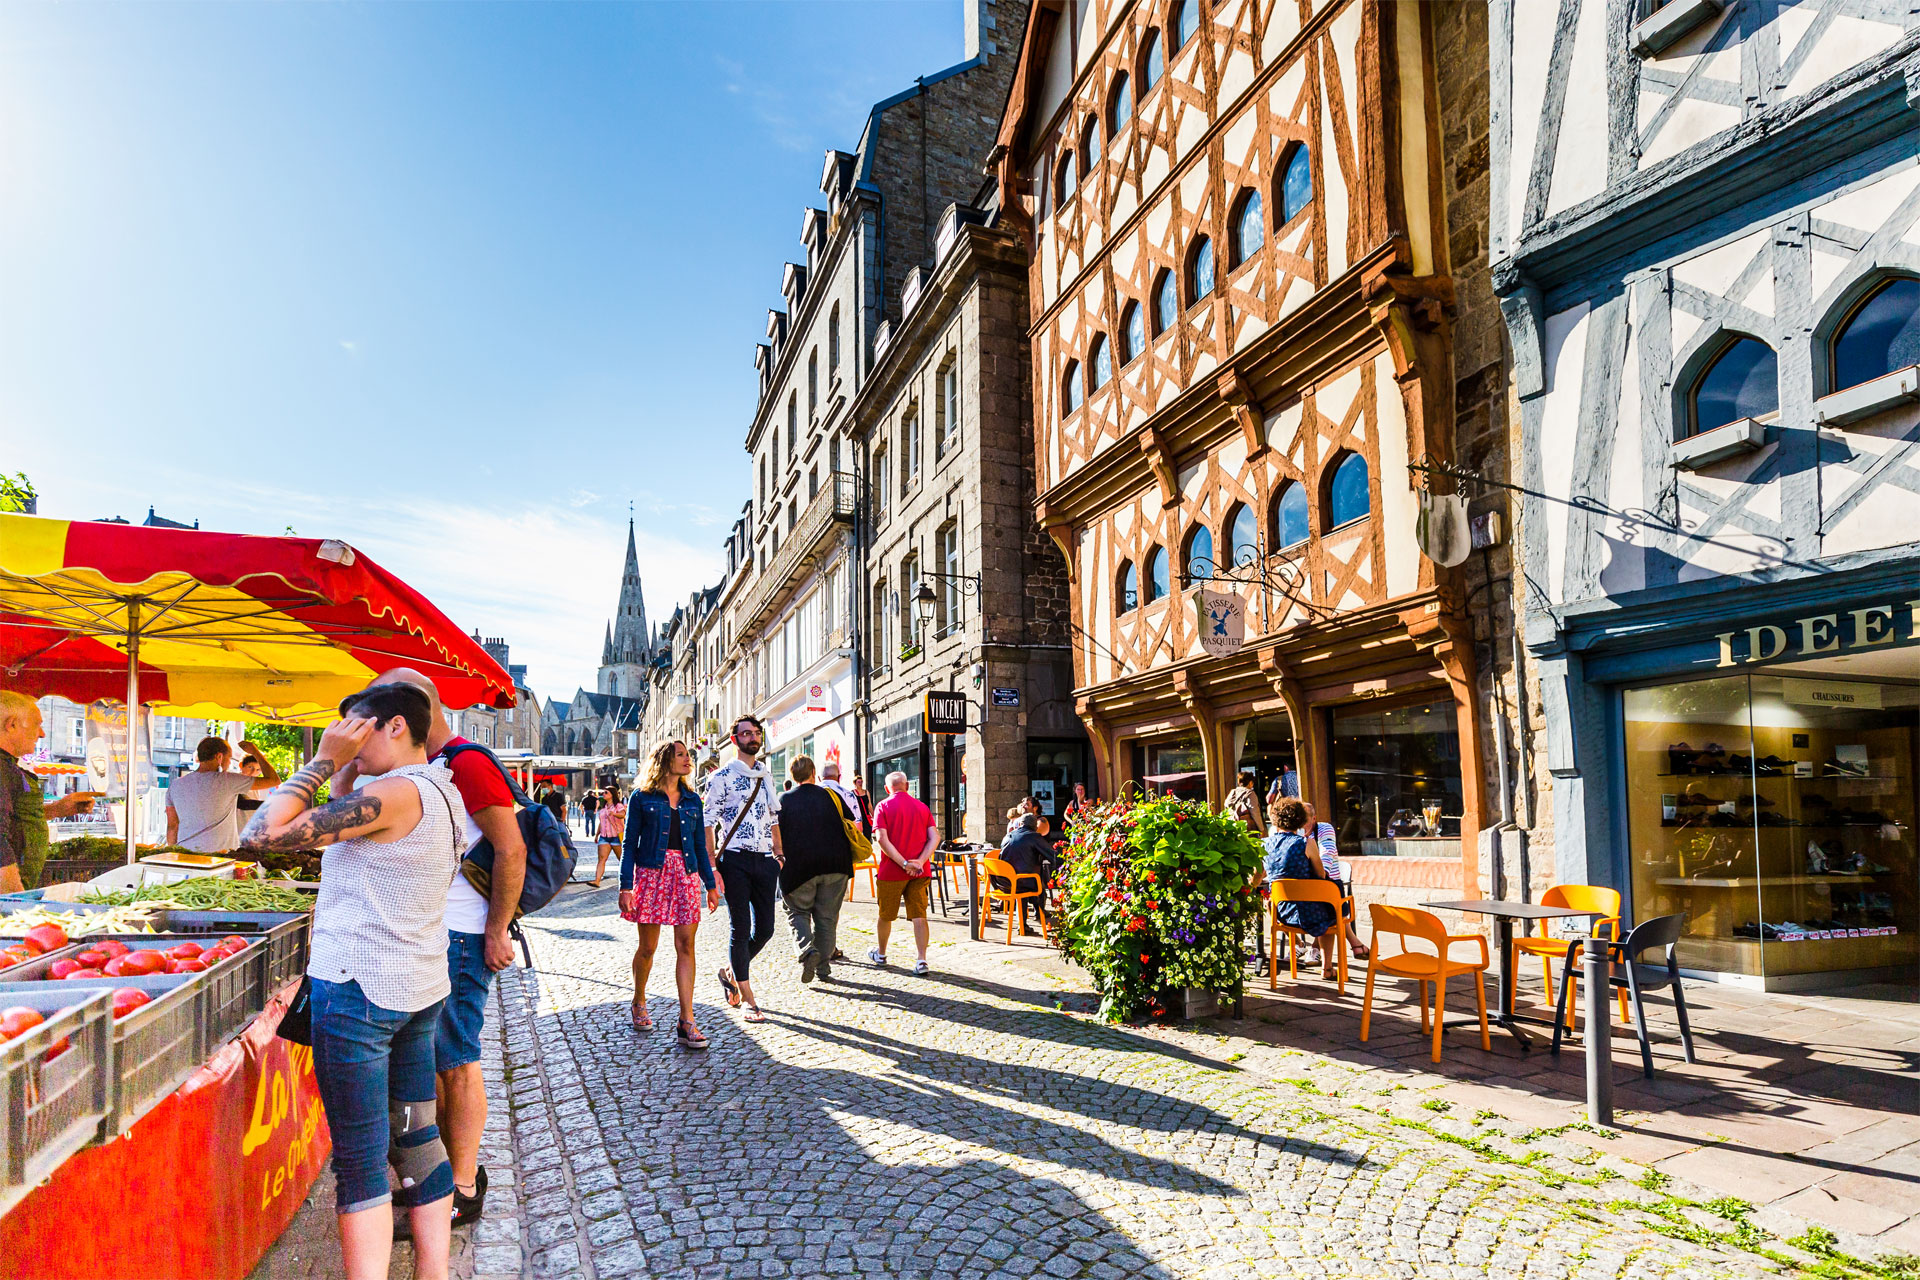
115,967
112,948
188,966
21,951
93,957
43,938
59,1047
139,962
233,940
86,973
127,999
186,951
18,1020
7,960
61,968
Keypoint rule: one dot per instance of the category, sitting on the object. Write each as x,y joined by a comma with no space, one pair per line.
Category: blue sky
453,282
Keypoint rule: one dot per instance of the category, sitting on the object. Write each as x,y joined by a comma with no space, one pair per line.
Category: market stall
139,1061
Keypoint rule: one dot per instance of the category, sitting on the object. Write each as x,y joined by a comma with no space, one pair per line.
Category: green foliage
1437,1104
16,491
1158,897
279,743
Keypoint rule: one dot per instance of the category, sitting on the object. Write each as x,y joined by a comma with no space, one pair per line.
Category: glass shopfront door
1172,767
1264,747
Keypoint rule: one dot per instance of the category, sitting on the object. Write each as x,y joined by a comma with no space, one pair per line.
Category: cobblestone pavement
963,1125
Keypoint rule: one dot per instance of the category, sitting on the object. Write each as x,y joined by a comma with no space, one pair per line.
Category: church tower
623,657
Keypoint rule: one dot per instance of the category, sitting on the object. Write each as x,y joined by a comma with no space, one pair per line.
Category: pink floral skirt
668,894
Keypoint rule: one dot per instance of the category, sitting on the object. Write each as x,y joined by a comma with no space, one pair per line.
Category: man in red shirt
904,835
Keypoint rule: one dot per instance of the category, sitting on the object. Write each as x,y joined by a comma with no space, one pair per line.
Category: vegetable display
207,893
124,918
292,865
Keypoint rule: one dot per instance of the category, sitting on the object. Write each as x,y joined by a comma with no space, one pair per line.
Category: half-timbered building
1706,233
1241,292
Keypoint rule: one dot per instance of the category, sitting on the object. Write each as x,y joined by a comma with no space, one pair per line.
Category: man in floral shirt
742,802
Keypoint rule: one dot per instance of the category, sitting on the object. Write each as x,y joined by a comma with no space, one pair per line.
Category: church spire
630,626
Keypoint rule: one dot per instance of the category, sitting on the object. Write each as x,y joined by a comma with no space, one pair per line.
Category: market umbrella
222,626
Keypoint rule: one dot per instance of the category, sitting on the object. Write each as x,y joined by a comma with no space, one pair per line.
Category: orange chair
1012,896
1326,891
1574,897
1408,924
867,867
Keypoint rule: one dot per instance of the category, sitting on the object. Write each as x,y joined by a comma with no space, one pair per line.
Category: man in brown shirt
23,811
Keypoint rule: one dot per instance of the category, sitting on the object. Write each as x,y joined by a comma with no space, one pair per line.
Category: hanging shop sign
946,712
816,697
1223,622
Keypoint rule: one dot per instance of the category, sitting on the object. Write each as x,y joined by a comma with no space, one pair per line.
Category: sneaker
467,1209
809,966
920,968
877,956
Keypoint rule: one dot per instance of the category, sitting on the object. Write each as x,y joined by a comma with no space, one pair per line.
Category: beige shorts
914,891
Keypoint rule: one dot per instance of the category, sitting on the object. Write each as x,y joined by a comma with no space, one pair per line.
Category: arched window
1199,270
1119,105
1347,497
1741,382
1186,22
1249,230
1067,180
1165,306
1296,182
1099,363
1133,334
1071,393
1127,586
1198,561
1156,574
1090,142
1243,540
1153,60
1290,521
1882,334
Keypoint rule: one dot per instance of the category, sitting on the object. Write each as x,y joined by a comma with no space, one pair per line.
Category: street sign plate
1006,697
946,713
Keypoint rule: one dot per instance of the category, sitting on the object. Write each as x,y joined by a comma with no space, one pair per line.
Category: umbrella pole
133,714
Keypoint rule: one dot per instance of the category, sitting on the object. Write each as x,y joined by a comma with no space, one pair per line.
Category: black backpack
550,852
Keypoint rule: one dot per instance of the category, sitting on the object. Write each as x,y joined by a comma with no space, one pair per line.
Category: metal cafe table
1504,914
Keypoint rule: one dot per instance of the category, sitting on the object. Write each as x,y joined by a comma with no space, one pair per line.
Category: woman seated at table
1291,856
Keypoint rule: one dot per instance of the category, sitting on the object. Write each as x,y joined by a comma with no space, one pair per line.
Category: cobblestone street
963,1124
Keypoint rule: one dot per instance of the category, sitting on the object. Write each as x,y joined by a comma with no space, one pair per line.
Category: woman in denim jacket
663,867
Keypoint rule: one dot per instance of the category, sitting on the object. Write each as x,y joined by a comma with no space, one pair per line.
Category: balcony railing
832,507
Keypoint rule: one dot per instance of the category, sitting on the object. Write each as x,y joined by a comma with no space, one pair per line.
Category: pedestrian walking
865,803
830,779
663,869
378,966
817,868
743,808
556,802
203,811
589,811
1243,802
612,819
904,836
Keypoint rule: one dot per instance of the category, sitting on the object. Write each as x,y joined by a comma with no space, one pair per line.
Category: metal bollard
973,895
1597,970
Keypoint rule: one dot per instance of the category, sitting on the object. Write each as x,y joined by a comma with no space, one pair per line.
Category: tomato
46,937
142,962
8,961
233,940
187,966
93,957
61,968
18,1021
21,951
112,948
186,951
127,999
86,973
59,1047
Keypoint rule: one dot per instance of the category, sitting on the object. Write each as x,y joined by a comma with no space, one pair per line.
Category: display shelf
1790,777
1753,882
1676,824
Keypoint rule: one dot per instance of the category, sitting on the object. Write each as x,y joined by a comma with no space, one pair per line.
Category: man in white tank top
378,969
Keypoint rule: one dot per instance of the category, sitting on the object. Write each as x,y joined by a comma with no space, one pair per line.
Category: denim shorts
456,1040
365,1057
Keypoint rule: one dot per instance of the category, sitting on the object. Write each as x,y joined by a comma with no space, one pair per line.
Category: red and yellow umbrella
215,625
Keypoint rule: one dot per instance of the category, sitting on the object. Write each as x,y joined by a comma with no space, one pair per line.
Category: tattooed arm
286,819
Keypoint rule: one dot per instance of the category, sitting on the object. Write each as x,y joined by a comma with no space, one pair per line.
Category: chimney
981,27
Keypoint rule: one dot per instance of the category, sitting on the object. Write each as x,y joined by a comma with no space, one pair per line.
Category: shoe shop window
1777,811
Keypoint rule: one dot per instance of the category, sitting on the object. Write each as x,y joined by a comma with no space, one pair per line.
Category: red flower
1145,958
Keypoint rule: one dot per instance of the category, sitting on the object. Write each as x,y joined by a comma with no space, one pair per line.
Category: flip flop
642,1020
732,988
754,1014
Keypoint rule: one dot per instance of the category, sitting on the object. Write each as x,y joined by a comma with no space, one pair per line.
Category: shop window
1347,497
1263,746
1396,780
1156,574
1127,586
1249,232
1099,363
1882,334
1071,393
1090,142
1291,522
1133,334
1741,381
1199,270
1065,182
1172,767
1197,563
1119,105
1242,535
1165,305
1296,182
1153,60
1186,22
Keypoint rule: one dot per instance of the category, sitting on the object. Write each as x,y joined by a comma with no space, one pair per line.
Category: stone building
515,728
1703,232
793,612
963,591
1241,291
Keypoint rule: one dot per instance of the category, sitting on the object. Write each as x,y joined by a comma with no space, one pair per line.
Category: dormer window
1742,382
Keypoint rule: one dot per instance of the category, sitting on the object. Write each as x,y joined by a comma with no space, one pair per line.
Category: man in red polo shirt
903,833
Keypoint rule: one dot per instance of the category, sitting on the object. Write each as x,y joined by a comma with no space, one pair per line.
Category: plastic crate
35,969
49,1110
68,870
155,1048
289,935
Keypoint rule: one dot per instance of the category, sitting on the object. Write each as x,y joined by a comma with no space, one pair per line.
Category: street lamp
923,606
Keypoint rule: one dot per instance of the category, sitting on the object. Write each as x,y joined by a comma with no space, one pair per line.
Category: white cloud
582,498
350,345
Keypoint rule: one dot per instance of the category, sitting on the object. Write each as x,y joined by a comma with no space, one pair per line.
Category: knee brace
415,1151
